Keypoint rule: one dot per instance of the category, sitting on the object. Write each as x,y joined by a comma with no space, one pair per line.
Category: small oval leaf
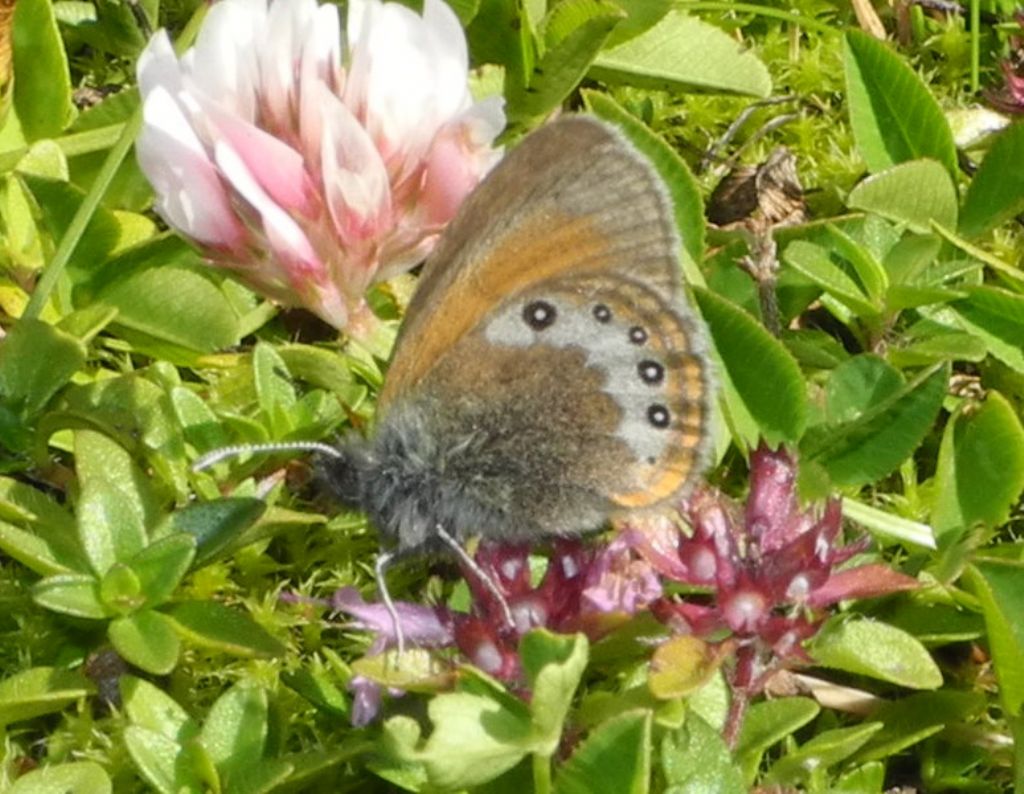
147,640
868,647
915,193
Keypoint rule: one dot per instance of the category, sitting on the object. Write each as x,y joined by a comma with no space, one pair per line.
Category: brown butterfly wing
574,216
573,197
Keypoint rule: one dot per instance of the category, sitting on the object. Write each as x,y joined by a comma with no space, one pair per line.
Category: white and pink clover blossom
309,162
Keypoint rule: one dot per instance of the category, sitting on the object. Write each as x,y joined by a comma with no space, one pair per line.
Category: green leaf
915,193
149,707
266,775
162,741
768,723
680,182
614,759
873,278
215,524
162,564
859,384
888,525
235,731
109,526
935,624
101,460
684,53
938,347
553,665
913,719
40,690
162,762
996,193
161,290
997,317
695,759
577,29
465,10
817,264
36,360
201,427
867,647
308,768
24,504
752,357
32,551
47,544
682,665
121,590
274,389
502,33
865,779
71,594
823,751
85,324
42,84
133,409
59,202
893,115
997,585
875,443
77,777
643,15
475,739
318,685
908,296
415,670
1010,273
980,472
910,260
320,367
212,625
147,640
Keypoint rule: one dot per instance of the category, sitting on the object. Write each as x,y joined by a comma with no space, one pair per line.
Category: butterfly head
400,477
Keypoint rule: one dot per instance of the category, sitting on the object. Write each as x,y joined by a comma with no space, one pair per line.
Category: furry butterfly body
549,373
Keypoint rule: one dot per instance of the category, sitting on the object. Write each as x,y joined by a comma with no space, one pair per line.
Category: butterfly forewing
575,198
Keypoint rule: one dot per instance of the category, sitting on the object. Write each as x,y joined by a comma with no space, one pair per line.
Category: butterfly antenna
223,453
478,572
384,559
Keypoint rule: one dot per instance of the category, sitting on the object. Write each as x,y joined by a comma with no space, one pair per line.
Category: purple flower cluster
766,572
770,567
1010,97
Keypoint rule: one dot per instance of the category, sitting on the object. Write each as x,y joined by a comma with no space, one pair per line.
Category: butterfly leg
478,572
384,559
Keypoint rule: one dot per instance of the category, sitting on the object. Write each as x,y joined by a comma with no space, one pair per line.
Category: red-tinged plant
771,570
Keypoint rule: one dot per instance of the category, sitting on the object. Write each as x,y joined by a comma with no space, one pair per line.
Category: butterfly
549,374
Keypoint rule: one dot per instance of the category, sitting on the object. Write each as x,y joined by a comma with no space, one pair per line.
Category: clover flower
309,163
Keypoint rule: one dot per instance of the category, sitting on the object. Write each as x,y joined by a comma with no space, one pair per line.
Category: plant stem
975,45
541,774
75,230
764,11
1017,727
740,682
